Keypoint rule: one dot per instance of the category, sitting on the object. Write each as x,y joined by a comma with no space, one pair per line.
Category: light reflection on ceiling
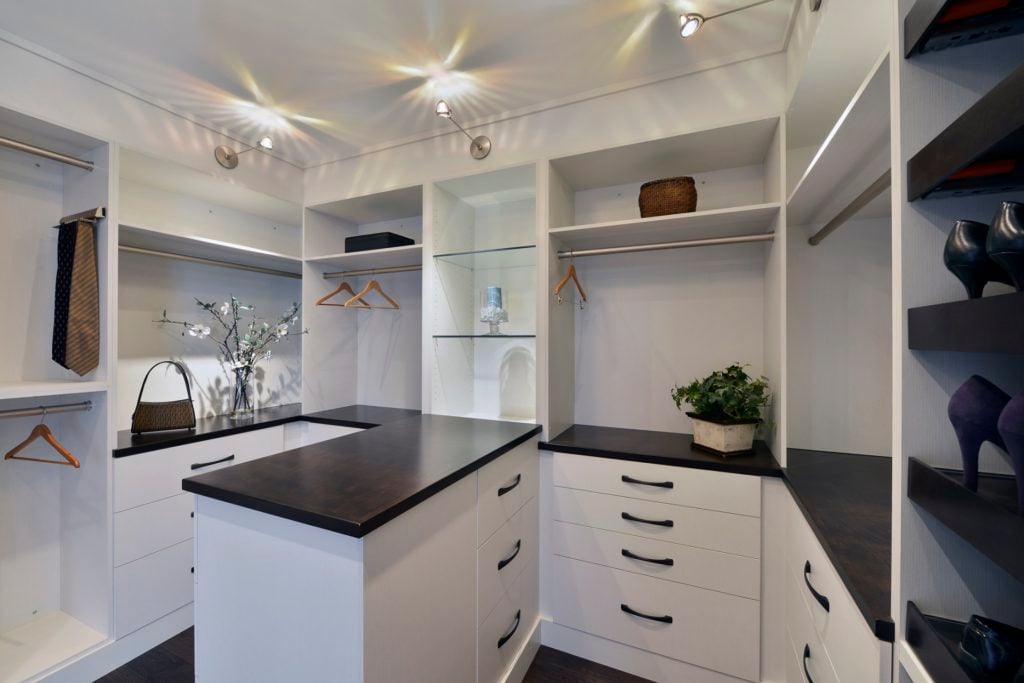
328,79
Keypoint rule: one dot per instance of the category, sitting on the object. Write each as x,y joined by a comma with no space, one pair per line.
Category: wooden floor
173,662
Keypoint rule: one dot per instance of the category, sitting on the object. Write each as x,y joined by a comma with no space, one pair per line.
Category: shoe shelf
987,520
935,641
933,25
981,152
991,324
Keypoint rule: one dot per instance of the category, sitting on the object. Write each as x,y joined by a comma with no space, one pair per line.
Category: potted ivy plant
727,408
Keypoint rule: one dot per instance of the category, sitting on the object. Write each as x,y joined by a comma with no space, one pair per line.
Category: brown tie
83,344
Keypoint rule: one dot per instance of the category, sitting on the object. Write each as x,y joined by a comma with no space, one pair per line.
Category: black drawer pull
505,489
200,465
504,563
807,655
193,570
629,610
822,600
656,522
660,484
515,627
668,561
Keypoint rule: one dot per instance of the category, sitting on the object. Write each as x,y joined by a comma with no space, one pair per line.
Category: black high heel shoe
966,257
1005,243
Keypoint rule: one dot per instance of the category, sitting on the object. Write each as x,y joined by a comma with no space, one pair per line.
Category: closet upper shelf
204,248
394,257
854,154
484,259
45,388
731,222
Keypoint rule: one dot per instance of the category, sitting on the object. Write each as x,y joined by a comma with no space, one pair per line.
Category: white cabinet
303,433
150,587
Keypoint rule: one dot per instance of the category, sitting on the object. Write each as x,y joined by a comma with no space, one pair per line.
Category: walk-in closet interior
476,342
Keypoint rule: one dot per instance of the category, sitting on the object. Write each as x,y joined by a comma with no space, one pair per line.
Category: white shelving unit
44,389
207,248
394,257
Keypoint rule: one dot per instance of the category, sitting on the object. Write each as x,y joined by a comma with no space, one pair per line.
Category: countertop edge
346,527
724,466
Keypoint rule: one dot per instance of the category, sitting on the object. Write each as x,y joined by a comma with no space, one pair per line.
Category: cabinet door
152,587
504,486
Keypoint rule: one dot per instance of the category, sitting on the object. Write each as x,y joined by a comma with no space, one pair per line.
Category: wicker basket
668,196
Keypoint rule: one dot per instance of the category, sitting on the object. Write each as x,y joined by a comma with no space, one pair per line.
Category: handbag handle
181,369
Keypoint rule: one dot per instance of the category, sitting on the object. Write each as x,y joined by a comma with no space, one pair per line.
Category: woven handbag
152,416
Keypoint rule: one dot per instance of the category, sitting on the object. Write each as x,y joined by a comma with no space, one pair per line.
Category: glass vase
242,394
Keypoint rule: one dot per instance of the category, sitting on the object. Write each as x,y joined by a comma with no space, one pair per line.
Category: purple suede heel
974,410
1011,429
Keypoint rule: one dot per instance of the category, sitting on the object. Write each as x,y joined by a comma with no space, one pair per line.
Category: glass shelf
485,336
505,257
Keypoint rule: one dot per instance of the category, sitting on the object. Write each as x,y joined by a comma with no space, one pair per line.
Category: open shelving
933,25
986,519
392,257
982,151
935,642
43,389
208,249
991,324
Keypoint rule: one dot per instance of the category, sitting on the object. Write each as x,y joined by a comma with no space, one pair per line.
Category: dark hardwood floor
173,661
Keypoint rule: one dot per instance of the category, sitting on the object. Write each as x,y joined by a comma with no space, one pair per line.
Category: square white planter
724,438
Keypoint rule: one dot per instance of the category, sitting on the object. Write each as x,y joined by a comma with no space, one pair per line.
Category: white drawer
503,486
801,633
147,477
156,585
516,610
693,566
852,647
722,531
512,547
817,667
713,630
148,528
722,491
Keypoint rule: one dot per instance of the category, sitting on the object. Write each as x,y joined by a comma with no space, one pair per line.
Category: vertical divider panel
775,294
561,328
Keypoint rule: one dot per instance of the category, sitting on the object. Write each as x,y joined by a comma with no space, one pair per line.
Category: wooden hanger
343,287
371,285
43,432
570,275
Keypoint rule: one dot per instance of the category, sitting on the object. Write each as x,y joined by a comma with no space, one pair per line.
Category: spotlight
266,143
689,24
228,158
479,146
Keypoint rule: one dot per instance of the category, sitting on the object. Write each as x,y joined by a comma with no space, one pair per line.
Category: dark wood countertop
359,416
847,500
661,448
356,483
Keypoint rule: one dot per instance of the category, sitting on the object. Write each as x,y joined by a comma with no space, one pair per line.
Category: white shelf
200,247
411,255
854,154
731,222
43,388
42,644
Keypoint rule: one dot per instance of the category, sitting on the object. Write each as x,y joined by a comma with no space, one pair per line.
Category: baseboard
524,658
626,658
102,661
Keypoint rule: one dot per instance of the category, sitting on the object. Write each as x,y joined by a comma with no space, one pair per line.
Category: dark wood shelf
987,520
989,135
933,25
992,324
936,642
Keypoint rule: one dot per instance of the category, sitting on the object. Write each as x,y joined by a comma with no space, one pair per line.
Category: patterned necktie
82,346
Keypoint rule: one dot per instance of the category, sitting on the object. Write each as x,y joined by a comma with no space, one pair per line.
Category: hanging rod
371,271
863,199
208,261
46,410
45,153
686,244
92,215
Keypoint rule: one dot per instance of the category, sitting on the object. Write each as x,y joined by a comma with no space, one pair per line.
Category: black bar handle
505,489
807,655
200,465
515,627
660,484
629,610
668,561
822,600
504,563
657,522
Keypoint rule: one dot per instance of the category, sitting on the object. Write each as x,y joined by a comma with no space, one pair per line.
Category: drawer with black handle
505,555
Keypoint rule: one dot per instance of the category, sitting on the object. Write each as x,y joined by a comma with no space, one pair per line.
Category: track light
479,146
228,158
690,23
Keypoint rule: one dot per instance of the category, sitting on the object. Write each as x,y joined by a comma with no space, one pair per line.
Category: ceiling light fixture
228,158
691,22
479,146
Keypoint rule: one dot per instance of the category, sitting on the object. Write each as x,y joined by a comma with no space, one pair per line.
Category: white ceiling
330,78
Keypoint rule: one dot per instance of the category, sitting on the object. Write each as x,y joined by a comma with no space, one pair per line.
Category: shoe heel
970,439
1013,263
1015,447
972,280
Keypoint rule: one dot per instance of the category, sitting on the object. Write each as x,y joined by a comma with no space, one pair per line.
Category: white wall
662,318
839,340
148,285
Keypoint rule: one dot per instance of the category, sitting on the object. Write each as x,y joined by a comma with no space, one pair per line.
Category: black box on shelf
378,240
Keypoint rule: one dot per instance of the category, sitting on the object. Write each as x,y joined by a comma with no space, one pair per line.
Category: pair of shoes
980,411
978,254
